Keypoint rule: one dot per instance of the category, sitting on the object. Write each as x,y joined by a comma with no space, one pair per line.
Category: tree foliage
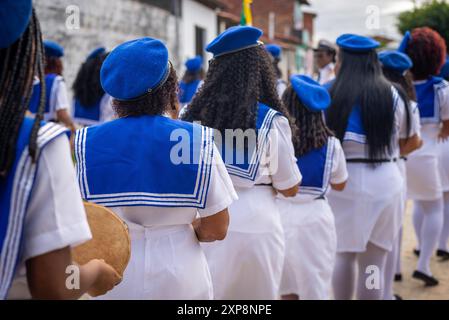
433,14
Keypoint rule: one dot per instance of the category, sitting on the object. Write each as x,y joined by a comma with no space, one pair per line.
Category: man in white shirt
324,57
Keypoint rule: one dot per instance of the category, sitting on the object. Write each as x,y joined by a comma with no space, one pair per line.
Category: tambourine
110,239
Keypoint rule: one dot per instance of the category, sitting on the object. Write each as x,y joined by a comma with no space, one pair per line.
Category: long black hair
234,84
87,86
312,131
404,84
19,63
360,82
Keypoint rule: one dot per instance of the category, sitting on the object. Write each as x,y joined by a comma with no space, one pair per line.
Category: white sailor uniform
424,168
44,200
248,263
309,225
364,212
131,165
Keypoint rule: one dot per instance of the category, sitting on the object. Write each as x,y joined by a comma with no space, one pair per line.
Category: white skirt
368,210
247,264
424,169
167,263
311,244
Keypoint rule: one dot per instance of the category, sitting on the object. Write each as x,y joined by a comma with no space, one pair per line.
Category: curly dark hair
155,103
312,131
234,84
427,50
87,86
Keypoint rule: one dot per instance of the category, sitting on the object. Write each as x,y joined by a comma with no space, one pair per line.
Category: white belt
147,232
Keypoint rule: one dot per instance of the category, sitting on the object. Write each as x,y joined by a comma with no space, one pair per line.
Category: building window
170,5
200,38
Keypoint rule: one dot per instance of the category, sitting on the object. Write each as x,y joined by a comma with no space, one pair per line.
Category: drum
110,239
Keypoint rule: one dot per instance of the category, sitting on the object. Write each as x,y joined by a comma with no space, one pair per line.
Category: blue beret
314,96
135,68
404,43
194,64
395,60
96,52
52,49
274,49
234,39
444,73
14,19
356,43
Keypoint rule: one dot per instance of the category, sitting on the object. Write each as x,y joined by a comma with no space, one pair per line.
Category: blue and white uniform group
274,246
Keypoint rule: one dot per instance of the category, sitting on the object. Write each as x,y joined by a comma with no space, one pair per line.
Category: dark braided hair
165,98
87,86
19,64
312,131
234,84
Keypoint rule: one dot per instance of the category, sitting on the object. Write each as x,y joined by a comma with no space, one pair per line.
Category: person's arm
283,168
46,275
290,192
339,172
61,104
63,116
338,186
409,145
212,228
444,132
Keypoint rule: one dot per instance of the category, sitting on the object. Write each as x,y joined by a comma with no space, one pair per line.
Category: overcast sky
350,16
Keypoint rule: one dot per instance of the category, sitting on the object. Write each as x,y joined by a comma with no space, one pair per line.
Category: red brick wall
283,9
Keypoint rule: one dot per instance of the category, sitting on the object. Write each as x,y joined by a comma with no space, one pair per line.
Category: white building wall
102,23
196,14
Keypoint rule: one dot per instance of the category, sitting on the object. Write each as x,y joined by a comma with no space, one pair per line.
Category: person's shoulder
335,143
266,109
49,131
441,84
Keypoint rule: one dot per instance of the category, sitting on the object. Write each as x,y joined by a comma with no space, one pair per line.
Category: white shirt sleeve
283,168
61,100
55,217
415,127
221,191
339,173
443,96
281,86
400,118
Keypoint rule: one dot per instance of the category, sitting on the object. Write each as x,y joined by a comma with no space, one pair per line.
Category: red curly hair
427,50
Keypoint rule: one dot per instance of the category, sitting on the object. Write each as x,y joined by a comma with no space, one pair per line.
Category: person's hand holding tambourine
108,251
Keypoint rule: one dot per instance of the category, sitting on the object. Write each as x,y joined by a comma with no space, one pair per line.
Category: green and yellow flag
247,17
